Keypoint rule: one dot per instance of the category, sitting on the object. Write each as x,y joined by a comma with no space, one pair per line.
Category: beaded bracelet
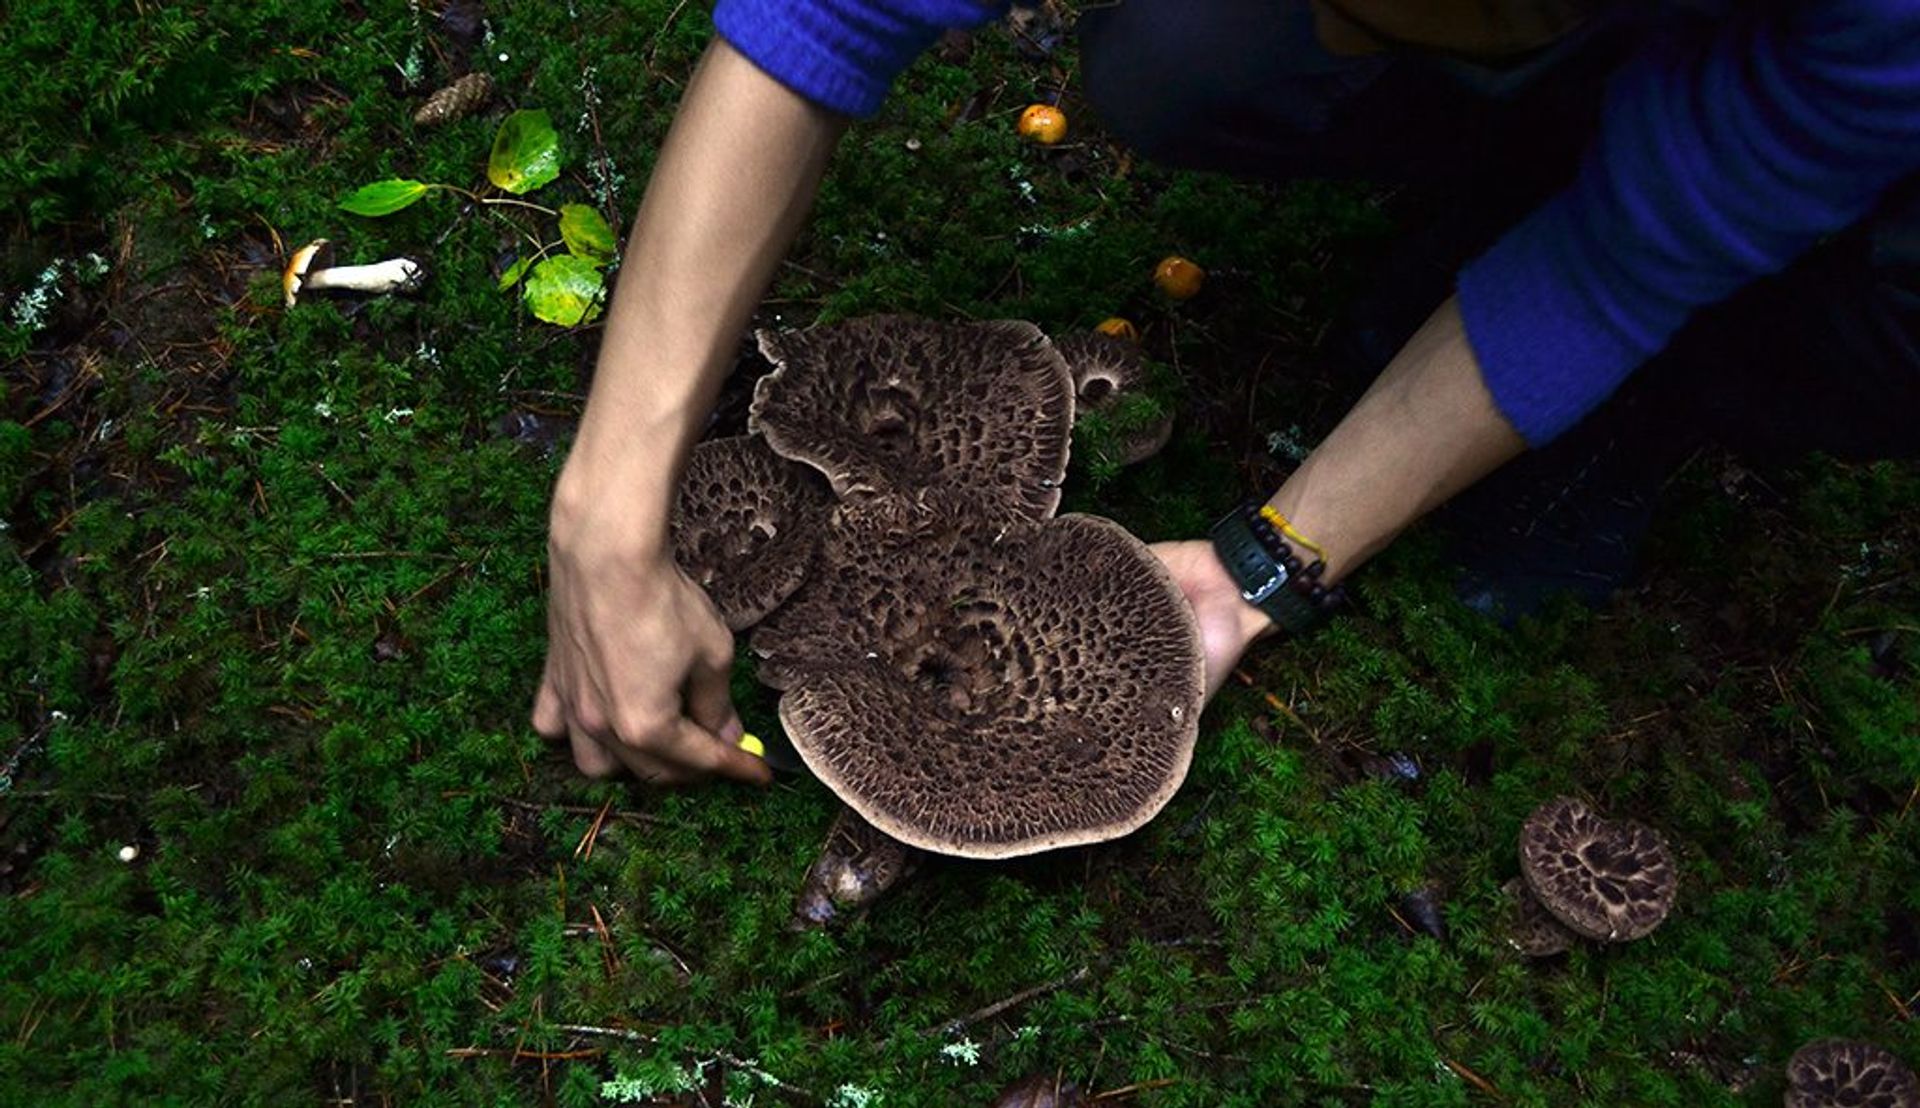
1278,535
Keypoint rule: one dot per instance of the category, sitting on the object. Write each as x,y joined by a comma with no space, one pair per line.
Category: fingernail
752,745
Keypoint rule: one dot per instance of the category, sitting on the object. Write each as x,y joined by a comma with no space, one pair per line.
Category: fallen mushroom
1109,376
990,691
308,271
1610,880
1835,1073
746,525
897,406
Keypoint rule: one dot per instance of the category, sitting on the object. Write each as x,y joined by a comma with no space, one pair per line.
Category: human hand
637,658
1228,624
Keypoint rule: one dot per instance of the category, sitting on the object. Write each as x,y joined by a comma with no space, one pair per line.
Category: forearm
735,178
1427,429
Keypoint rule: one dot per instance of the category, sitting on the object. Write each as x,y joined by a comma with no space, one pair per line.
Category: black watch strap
1262,579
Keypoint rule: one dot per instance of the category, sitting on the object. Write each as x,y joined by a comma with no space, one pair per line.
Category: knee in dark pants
1174,79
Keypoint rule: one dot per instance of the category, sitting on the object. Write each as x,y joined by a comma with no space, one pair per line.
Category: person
1718,195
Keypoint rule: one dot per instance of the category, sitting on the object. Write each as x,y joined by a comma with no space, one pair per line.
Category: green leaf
385,197
565,289
516,271
586,232
526,152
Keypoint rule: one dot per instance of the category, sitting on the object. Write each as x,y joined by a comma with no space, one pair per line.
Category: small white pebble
503,57
129,852
913,144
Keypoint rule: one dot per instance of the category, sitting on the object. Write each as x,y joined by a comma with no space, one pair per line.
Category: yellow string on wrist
1281,524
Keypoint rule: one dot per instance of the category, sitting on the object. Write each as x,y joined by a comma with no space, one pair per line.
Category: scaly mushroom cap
1531,929
1108,370
989,693
1612,880
746,526
1832,1073
892,405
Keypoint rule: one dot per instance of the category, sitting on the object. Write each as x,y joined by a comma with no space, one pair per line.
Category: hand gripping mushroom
970,675
308,271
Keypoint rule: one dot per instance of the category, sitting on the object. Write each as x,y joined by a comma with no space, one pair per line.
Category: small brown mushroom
309,271
1611,880
1835,1073
1109,374
898,406
989,692
746,526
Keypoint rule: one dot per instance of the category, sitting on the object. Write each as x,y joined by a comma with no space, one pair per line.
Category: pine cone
456,101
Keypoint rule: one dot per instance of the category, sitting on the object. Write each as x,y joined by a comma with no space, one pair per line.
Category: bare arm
1426,430
637,659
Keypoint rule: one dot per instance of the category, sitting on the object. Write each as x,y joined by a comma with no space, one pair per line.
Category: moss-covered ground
271,615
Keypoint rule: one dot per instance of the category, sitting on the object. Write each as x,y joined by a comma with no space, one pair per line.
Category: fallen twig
963,1022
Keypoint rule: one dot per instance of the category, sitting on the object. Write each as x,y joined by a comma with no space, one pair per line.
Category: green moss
270,605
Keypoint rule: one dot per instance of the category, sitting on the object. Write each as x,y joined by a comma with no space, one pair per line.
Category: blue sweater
1718,161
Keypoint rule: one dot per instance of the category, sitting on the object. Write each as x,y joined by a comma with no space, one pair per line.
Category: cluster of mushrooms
970,673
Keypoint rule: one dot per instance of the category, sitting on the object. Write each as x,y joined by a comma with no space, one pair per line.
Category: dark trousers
1823,356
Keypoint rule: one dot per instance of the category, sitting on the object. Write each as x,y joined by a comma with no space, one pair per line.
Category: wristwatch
1264,580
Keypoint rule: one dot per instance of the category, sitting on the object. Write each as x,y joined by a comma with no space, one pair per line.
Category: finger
649,770
592,757
694,748
710,700
549,714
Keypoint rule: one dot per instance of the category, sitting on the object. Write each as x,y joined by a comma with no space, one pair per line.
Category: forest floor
274,829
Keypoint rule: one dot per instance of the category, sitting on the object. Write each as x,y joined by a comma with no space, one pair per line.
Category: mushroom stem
392,275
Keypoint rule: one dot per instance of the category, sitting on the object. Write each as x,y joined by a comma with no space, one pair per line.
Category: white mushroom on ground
308,271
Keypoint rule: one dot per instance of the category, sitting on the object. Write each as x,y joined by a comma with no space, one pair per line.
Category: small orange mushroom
1119,328
1042,123
1178,277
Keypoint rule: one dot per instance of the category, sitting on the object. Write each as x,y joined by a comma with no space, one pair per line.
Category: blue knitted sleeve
1716,163
842,54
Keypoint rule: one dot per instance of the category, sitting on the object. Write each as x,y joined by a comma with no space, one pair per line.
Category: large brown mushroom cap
746,526
892,405
1110,372
990,693
1833,1073
1612,880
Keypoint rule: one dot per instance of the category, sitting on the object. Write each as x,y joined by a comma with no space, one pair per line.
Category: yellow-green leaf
565,289
526,152
516,271
384,197
586,232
